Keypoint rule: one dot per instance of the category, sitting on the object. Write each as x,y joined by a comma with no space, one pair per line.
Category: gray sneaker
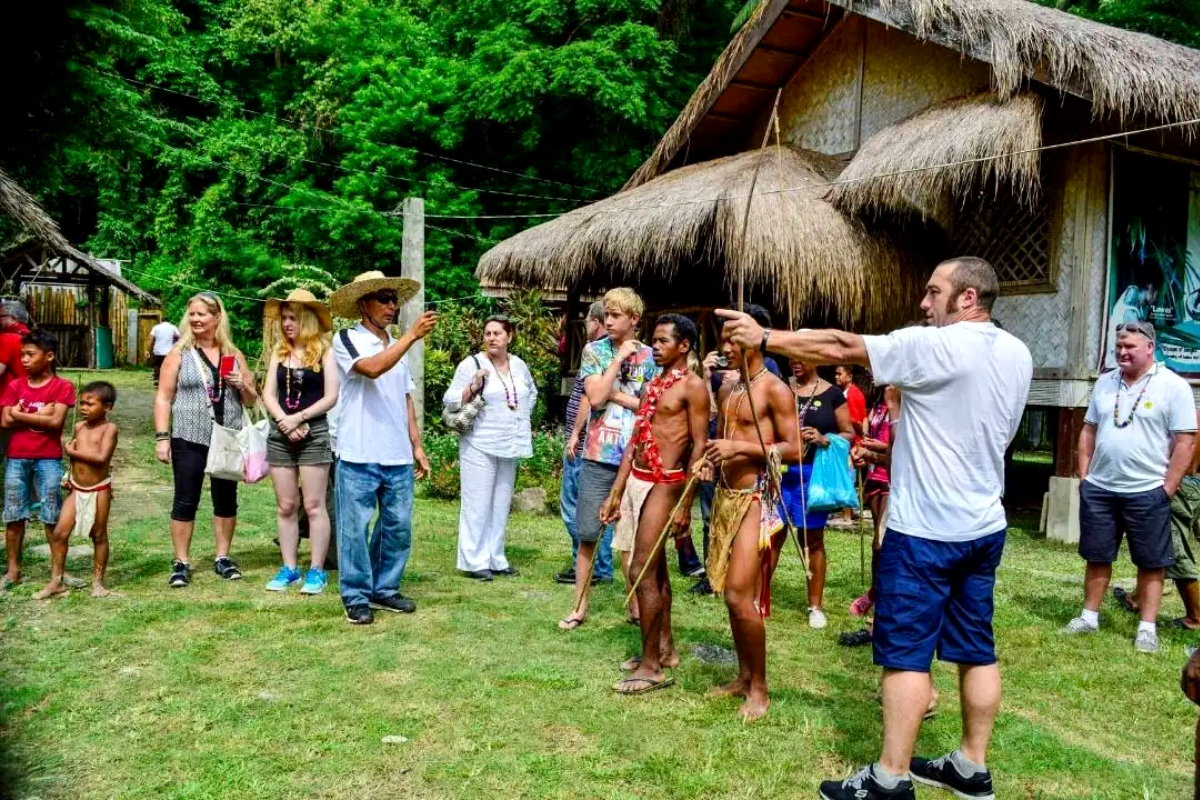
1077,626
1146,642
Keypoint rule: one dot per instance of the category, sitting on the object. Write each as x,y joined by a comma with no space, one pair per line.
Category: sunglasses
1144,328
384,298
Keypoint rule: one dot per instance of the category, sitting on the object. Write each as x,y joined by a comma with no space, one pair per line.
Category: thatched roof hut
800,253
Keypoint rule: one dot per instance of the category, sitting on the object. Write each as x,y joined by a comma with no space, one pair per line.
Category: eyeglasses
1144,328
384,298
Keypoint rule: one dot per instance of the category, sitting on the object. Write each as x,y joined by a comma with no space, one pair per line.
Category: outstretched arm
811,347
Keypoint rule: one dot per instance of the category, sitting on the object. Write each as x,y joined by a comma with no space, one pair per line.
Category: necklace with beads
1137,402
289,402
214,391
509,399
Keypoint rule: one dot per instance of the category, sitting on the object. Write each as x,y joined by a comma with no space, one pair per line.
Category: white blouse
499,430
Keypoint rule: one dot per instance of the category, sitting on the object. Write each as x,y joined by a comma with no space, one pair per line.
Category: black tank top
306,388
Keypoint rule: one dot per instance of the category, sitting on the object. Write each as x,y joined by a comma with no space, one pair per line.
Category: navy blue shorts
935,597
1144,518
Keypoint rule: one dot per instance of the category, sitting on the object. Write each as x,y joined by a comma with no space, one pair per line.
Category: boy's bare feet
755,707
51,589
738,688
9,580
98,590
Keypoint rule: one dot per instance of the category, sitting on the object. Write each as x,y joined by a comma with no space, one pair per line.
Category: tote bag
234,454
832,483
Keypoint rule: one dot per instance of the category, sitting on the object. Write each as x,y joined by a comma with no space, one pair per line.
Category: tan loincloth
730,507
85,504
625,534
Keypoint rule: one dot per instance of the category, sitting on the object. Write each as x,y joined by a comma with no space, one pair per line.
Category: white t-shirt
1134,458
163,335
372,414
963,389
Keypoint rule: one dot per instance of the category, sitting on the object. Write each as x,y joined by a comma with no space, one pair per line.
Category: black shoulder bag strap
344,335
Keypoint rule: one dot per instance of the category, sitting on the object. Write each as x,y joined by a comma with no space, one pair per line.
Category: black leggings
187,462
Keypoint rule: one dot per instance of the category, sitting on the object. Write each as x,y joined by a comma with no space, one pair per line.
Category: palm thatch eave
799,251
932,161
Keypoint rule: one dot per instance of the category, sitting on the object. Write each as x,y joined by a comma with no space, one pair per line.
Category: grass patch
224,690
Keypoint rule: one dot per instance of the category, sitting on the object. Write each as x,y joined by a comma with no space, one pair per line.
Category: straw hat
300,297
344,301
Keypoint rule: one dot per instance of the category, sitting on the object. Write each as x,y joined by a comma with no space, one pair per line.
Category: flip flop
646,685
1122,598
569,623
630,664
1178,624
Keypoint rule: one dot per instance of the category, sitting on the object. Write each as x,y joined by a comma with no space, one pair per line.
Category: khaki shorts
312,450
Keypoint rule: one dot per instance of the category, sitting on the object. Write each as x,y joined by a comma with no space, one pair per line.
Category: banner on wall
1154,264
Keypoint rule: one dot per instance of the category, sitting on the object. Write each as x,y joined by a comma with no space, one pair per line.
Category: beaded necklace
1136,403
509,400
290,403
214,392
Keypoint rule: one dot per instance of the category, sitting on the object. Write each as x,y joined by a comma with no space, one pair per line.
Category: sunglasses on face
384,298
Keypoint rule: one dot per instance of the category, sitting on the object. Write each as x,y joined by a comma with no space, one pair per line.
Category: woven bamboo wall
817,110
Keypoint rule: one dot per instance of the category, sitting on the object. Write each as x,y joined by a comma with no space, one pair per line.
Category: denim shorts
935,597
27,480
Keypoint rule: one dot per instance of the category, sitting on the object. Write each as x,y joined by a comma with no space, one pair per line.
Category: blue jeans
371,561
568,498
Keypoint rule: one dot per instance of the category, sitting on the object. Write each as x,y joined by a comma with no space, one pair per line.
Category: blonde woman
301,387
203,378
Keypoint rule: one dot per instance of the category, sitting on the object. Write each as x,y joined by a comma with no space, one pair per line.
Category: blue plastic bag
832,483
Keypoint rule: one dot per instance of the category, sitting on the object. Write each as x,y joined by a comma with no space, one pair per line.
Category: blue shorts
935,597
27,479
793,499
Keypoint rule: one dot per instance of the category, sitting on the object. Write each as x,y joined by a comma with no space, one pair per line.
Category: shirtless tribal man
670,432
747,533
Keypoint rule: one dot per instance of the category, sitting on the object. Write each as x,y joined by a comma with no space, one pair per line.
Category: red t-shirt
856,403
36,442
10,357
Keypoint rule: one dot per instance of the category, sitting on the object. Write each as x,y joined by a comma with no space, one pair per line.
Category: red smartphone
228,364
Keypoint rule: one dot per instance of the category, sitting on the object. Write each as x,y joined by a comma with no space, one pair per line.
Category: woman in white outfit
489,453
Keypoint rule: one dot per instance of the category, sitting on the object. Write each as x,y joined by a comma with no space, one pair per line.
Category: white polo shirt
963,389
372,414
1134,458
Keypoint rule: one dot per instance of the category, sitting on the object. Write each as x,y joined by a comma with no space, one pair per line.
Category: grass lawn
223,690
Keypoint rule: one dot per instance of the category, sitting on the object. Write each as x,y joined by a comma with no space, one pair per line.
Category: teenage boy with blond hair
615,372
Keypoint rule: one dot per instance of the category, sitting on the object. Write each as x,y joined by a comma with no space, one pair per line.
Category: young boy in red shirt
34,408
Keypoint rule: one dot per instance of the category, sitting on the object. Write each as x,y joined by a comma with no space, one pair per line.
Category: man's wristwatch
766,338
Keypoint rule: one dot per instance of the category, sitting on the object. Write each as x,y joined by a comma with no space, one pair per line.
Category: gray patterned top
190,416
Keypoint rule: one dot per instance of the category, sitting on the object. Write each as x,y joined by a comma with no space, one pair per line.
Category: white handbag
234,454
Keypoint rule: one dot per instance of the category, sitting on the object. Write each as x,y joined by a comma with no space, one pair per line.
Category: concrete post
412,265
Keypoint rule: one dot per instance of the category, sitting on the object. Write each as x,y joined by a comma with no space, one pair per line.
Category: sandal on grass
1122,598
1179,624
641,685
569,623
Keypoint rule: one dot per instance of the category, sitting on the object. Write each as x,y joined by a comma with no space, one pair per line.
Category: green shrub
543,469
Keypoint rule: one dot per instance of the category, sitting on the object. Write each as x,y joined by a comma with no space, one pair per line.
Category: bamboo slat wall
63,311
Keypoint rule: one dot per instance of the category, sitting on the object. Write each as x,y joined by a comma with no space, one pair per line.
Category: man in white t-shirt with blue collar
1135,447
378,444
964,383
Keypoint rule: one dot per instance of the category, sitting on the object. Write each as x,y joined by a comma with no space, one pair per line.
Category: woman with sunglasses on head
204,378
489,452
301,387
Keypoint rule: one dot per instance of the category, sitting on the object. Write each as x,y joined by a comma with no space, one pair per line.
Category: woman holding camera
488,453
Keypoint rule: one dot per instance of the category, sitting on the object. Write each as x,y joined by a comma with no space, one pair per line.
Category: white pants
487,489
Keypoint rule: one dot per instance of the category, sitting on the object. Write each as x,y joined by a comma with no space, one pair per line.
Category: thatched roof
800,251
24,209
900,169
1120,73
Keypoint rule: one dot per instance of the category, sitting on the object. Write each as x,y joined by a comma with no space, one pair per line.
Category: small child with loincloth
86,508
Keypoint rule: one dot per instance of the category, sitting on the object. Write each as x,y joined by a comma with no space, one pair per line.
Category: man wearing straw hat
965,383
378,443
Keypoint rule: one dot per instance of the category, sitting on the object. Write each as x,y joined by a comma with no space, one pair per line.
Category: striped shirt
573,403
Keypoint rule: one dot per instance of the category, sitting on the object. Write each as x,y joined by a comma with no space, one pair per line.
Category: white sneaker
1079,625
1146,642
816,619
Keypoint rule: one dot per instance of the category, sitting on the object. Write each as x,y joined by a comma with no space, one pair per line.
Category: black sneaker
702,587
942,773
479,575
566,576
863,786
181,575
227,568
855,638
397,603
359,615
507,572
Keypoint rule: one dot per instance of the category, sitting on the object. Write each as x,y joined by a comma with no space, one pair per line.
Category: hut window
1012,236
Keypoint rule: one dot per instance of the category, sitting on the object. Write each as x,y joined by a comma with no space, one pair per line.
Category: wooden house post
412,265
92,339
